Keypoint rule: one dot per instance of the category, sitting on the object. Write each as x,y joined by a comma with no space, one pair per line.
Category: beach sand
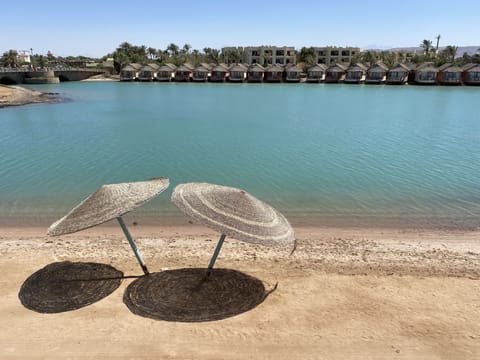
16,95
355,293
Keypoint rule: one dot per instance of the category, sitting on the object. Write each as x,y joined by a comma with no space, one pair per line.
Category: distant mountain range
470,50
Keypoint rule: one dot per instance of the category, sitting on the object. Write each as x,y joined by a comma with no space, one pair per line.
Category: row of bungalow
426,74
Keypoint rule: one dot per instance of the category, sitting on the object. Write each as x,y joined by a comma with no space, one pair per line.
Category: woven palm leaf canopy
232,212
107,203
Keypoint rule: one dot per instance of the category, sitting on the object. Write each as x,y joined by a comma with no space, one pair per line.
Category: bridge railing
55,68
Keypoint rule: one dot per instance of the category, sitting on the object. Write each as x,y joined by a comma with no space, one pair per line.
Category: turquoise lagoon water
322,152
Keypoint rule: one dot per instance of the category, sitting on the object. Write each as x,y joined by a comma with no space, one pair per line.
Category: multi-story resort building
263,55
335,55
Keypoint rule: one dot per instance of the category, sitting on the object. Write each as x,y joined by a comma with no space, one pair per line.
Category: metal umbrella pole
133,245
215,254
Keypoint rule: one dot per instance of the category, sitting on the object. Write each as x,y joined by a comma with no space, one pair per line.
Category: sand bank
343,294
16,95
102,77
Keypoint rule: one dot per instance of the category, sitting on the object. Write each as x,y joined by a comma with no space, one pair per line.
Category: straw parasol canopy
233,212
107,203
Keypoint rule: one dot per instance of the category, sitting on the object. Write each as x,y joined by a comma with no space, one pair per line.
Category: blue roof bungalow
148,72
449,74
130,72
238,73
219,73
335,73
356,73
398,74
255,73
166,72
471,74
376,74
316,73
426,74
273,73
201,73
293,73
184,72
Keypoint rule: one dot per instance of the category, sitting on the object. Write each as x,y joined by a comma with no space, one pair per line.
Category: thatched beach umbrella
107,203
232,212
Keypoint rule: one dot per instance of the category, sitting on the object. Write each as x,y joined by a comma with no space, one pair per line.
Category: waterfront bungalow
238,73
166,72
376,74
184,72
130,72
293,73
219,73
201,73
148,72
255,73
316,73
398,74
471,74
449,74
335,73
426,74
356,74
274,73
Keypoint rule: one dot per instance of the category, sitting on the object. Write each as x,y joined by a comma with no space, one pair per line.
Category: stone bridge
9,76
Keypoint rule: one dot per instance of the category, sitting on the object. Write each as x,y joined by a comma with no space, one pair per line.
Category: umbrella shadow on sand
66,286
188,295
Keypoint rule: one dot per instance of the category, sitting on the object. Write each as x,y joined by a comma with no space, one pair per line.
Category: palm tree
152,53
186,49
231,55
450,52
172,49
9,58
426,45
212,55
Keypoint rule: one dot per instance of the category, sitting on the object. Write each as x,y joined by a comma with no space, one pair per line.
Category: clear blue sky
95,28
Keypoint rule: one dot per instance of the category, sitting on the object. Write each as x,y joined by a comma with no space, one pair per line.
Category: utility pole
438,41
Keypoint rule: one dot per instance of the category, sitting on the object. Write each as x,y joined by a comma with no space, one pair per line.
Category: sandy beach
17,95
355,293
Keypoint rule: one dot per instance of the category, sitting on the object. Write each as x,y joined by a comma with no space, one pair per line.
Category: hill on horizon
470,50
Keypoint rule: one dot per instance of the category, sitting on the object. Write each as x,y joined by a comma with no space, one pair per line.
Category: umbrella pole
133,245
215,254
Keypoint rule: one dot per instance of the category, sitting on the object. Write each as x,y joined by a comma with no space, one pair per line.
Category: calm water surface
320,152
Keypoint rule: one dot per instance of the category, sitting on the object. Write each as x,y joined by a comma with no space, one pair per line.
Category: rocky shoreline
16,95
